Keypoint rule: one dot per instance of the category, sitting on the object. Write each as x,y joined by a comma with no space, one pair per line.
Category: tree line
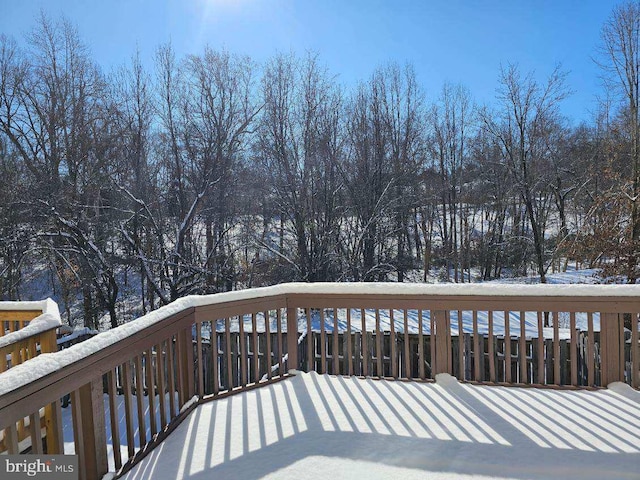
210,172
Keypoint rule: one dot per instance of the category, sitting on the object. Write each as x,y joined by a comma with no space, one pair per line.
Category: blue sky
453,40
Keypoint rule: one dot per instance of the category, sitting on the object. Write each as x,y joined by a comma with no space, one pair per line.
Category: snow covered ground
319,426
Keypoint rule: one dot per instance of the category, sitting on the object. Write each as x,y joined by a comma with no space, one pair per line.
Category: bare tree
450,119
222,111
403,107
621,60
528,113
54,116
299,147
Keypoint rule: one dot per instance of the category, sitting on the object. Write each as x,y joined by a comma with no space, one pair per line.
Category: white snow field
324,427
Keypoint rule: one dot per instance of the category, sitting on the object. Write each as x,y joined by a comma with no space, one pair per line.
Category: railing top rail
45,306
464,289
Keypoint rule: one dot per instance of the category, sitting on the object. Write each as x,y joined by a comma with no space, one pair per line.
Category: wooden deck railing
26,330
199,348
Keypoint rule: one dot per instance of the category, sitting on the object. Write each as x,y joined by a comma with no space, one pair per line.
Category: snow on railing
31,328
38,325
215,345
24,328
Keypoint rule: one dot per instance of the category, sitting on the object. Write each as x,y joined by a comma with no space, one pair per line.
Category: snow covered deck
320,426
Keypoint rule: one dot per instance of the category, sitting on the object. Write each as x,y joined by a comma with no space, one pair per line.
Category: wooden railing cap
45,306
464,289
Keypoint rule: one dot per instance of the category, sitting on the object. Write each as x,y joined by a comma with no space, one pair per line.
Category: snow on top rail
46,364
466,289
45,306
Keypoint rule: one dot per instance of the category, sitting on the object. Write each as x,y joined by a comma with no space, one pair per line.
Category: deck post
92,424
611,331
186,363
292,338
443,342
53,411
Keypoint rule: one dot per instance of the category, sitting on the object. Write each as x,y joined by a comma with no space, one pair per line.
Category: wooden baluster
171,374
22,431
244,356
522,348
348,340
267,333
323,343
32,349
407,351
78,431
541,356
186,364
392,341
281,369
432,343
311,354
507,347
621,348
492,359
11,439
160,365
254,347
36,433
128,406
200,365
229,352
591,362
114,418
421,359
215,352
461,372
15,355
556,348
363,340
179,372
379,353
292,338
151,389
335,347
635,352
142,421
478,352
53,426
574,348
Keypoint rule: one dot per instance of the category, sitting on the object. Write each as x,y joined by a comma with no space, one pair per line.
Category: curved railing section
131,386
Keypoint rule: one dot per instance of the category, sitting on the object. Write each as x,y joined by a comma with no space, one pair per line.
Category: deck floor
319,426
